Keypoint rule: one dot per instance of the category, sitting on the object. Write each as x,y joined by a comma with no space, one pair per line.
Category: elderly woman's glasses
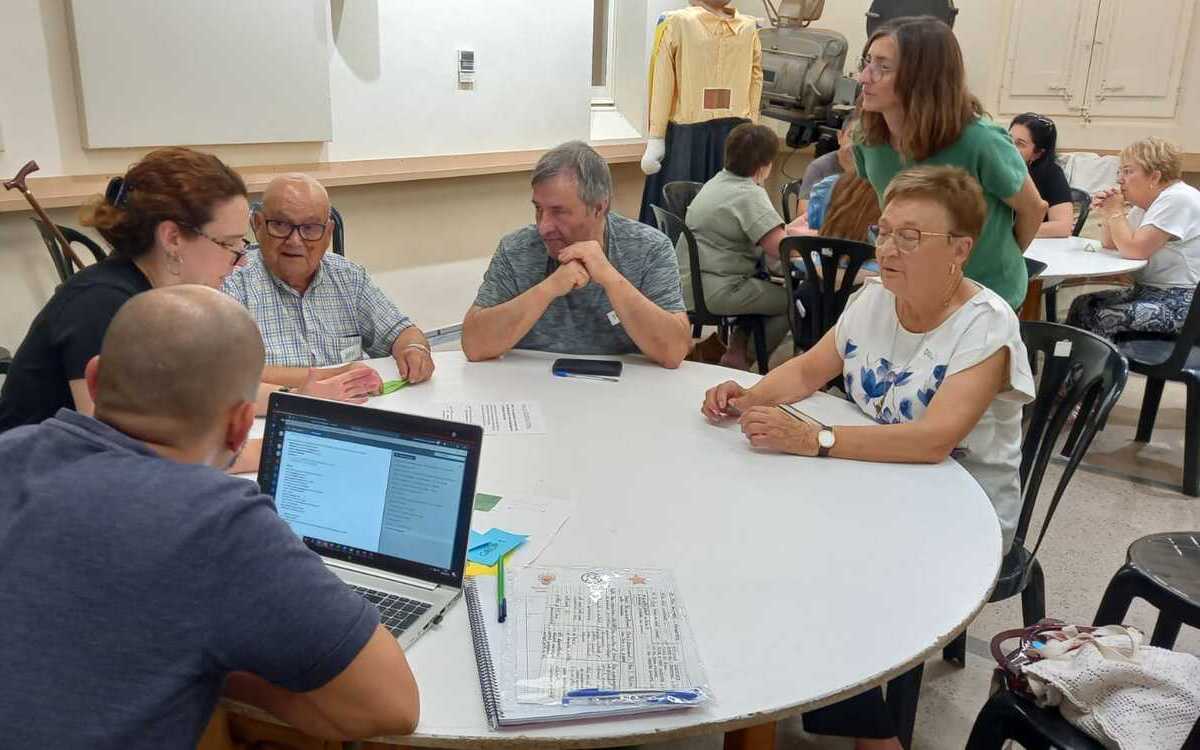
281,230
237,247
907,239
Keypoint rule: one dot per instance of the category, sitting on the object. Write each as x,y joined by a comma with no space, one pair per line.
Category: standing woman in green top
916,109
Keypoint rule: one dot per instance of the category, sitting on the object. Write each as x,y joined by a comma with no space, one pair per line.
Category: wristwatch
825,441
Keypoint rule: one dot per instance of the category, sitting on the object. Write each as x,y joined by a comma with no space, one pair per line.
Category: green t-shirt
987,153
728,216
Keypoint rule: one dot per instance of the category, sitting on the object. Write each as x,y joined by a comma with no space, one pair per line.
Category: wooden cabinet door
1138,58
1049,47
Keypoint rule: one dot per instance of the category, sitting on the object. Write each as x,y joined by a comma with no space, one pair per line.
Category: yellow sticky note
475,569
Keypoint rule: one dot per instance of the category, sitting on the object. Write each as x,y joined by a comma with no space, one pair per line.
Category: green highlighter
392,386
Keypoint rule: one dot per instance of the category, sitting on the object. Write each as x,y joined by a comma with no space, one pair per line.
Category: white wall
392,80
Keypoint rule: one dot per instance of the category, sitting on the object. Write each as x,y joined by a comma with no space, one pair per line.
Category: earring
174,258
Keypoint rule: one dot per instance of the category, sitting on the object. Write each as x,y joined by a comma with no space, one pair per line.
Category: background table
1070,258
806,580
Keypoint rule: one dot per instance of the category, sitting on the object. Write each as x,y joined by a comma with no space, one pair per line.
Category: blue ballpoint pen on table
650,695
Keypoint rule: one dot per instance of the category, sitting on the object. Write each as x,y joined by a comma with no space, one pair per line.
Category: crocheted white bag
1122,693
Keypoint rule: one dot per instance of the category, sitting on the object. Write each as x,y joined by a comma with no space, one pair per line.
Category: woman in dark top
177,217
1036,140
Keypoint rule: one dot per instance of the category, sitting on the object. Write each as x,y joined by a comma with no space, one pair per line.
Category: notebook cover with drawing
479,592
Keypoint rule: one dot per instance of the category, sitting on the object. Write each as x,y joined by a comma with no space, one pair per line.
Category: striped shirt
341,317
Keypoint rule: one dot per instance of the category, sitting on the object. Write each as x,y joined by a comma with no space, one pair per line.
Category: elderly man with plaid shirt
316,309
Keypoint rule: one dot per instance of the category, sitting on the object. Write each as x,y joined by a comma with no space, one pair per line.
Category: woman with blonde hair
1161,226
917,109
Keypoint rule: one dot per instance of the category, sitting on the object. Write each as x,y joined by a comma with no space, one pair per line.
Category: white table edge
508,738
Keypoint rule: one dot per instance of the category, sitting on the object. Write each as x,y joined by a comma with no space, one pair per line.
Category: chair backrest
789,192
339,227
64,266
828,286
678,195
1077,369
1081,201
1034,268
673,226
339,232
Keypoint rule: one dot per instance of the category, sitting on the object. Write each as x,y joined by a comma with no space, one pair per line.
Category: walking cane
18,182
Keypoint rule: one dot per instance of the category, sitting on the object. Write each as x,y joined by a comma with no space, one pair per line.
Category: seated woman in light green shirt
735,223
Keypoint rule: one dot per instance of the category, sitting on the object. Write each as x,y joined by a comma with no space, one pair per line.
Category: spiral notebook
497,667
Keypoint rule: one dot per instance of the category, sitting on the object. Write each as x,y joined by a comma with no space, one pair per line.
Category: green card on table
485,502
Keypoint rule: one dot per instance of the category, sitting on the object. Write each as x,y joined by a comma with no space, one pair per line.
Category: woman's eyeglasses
877,71
907,239
236,247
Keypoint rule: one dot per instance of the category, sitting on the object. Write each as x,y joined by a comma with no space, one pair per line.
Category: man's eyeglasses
237,247
877,71
281,230
907,239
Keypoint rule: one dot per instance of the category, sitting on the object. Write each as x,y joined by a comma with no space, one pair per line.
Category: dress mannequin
705,79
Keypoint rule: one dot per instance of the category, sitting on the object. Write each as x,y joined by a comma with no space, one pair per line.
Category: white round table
806,580
1077,257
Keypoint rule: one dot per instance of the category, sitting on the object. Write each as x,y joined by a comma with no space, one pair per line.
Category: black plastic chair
1081,200
1163,569
1176,358
678,195
1078,369
64,266
823,291
339,227
789,192
672,226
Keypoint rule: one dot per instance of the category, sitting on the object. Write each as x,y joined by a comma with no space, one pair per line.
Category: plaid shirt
341,317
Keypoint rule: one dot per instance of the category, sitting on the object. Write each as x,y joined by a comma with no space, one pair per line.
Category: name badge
613,319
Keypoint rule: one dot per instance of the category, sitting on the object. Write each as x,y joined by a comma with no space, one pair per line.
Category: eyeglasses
281,230
878,71
237,247
907,239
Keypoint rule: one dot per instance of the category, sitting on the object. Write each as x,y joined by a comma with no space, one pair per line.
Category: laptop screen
381,489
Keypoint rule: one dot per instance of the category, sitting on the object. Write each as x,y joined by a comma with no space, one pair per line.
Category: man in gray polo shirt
582,280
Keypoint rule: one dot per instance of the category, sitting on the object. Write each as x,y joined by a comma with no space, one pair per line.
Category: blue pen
605,378
654,696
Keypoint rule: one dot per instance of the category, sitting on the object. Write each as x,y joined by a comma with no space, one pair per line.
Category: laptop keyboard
396,613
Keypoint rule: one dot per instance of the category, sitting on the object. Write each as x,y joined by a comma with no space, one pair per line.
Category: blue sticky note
489,547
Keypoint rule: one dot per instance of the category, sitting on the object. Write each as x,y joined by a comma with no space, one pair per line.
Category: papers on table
538,519
496,417
582,632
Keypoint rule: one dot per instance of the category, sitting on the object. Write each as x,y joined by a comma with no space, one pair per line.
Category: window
602,52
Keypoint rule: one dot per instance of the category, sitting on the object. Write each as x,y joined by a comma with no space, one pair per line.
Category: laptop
384,498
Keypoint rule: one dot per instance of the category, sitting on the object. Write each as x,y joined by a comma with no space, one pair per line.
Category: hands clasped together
580,264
